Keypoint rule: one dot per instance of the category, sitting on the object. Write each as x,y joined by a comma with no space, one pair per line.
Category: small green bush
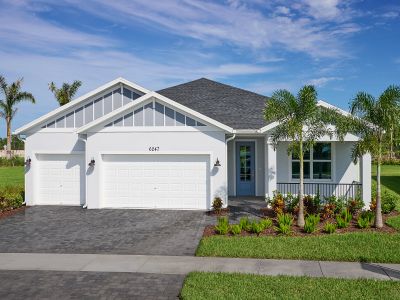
217,204
311,223
285,222
11,197
341,223
256,227
266,223
223,226
12,162
245,224
363,222
367,214
283,229
329,227
389,202
285,219
236,229
346,215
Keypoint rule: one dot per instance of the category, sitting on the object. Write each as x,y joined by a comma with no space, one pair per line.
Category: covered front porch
256,167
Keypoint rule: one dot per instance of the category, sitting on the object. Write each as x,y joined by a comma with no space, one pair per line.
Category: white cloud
322,81
391,14
323,9
236,24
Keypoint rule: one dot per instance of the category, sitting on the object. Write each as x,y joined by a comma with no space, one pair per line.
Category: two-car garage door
155,181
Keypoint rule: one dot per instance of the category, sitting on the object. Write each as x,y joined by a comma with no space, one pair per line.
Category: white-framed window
317,163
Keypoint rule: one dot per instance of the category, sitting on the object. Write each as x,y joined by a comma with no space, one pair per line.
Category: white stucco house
124,146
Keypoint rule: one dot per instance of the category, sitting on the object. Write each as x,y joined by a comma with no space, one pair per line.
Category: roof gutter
84,140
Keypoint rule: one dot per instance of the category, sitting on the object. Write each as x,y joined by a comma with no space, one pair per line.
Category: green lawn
394,222
355,246
11,176
244,286
390,177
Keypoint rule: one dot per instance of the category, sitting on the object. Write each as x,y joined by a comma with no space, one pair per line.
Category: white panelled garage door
60,179
156,181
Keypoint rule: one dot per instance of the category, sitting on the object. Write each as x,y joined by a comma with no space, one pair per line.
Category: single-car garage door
60,179
156,181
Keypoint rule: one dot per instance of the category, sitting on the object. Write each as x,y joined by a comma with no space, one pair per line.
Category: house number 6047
152,148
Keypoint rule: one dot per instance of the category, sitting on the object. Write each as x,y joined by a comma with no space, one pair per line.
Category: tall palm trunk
8,122
300,217
378,212
391,155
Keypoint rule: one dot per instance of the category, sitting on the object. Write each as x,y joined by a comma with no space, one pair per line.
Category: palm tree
66,92
301,122
371,119
12,96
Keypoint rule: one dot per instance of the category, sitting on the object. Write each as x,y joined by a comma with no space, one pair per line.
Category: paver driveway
60,229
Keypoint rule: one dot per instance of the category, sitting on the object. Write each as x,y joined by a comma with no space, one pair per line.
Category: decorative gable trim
71,106
117,117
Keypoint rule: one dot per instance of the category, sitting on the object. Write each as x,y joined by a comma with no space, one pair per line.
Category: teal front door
245,169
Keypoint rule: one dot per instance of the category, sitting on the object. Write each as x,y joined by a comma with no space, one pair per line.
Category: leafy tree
16,143
67,91
301,122
12,96
371,119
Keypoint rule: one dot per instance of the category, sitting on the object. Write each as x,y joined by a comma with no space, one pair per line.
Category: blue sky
339,46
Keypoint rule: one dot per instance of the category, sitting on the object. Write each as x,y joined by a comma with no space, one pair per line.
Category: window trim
311,160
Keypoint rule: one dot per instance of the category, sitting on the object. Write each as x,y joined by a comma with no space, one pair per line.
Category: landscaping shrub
355,205
285,222
363,222
236,229
217,204
11,197
328,210
341,223
311,223
346,215
223,225
312,204
256,227
367,214
277,203
285,219
266,223
12,162
291,202
245,224
283,229
329,227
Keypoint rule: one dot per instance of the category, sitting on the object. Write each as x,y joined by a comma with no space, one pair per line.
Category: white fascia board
146,97
75,102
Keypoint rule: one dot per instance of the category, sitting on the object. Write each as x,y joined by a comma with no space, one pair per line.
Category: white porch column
365,174
270,172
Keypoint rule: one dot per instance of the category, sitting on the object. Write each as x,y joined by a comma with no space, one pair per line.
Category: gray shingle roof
235,107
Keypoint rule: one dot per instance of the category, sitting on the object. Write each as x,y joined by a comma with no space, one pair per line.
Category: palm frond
362,104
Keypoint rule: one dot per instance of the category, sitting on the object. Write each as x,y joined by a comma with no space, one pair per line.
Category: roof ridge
215,82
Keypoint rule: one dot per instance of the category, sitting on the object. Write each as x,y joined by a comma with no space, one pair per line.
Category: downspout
23,140
226,160
84,141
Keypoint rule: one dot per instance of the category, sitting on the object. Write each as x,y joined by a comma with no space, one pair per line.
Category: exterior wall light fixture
28,161
92,162
217,164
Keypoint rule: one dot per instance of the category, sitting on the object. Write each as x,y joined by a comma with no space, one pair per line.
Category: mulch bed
297,231
10,212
